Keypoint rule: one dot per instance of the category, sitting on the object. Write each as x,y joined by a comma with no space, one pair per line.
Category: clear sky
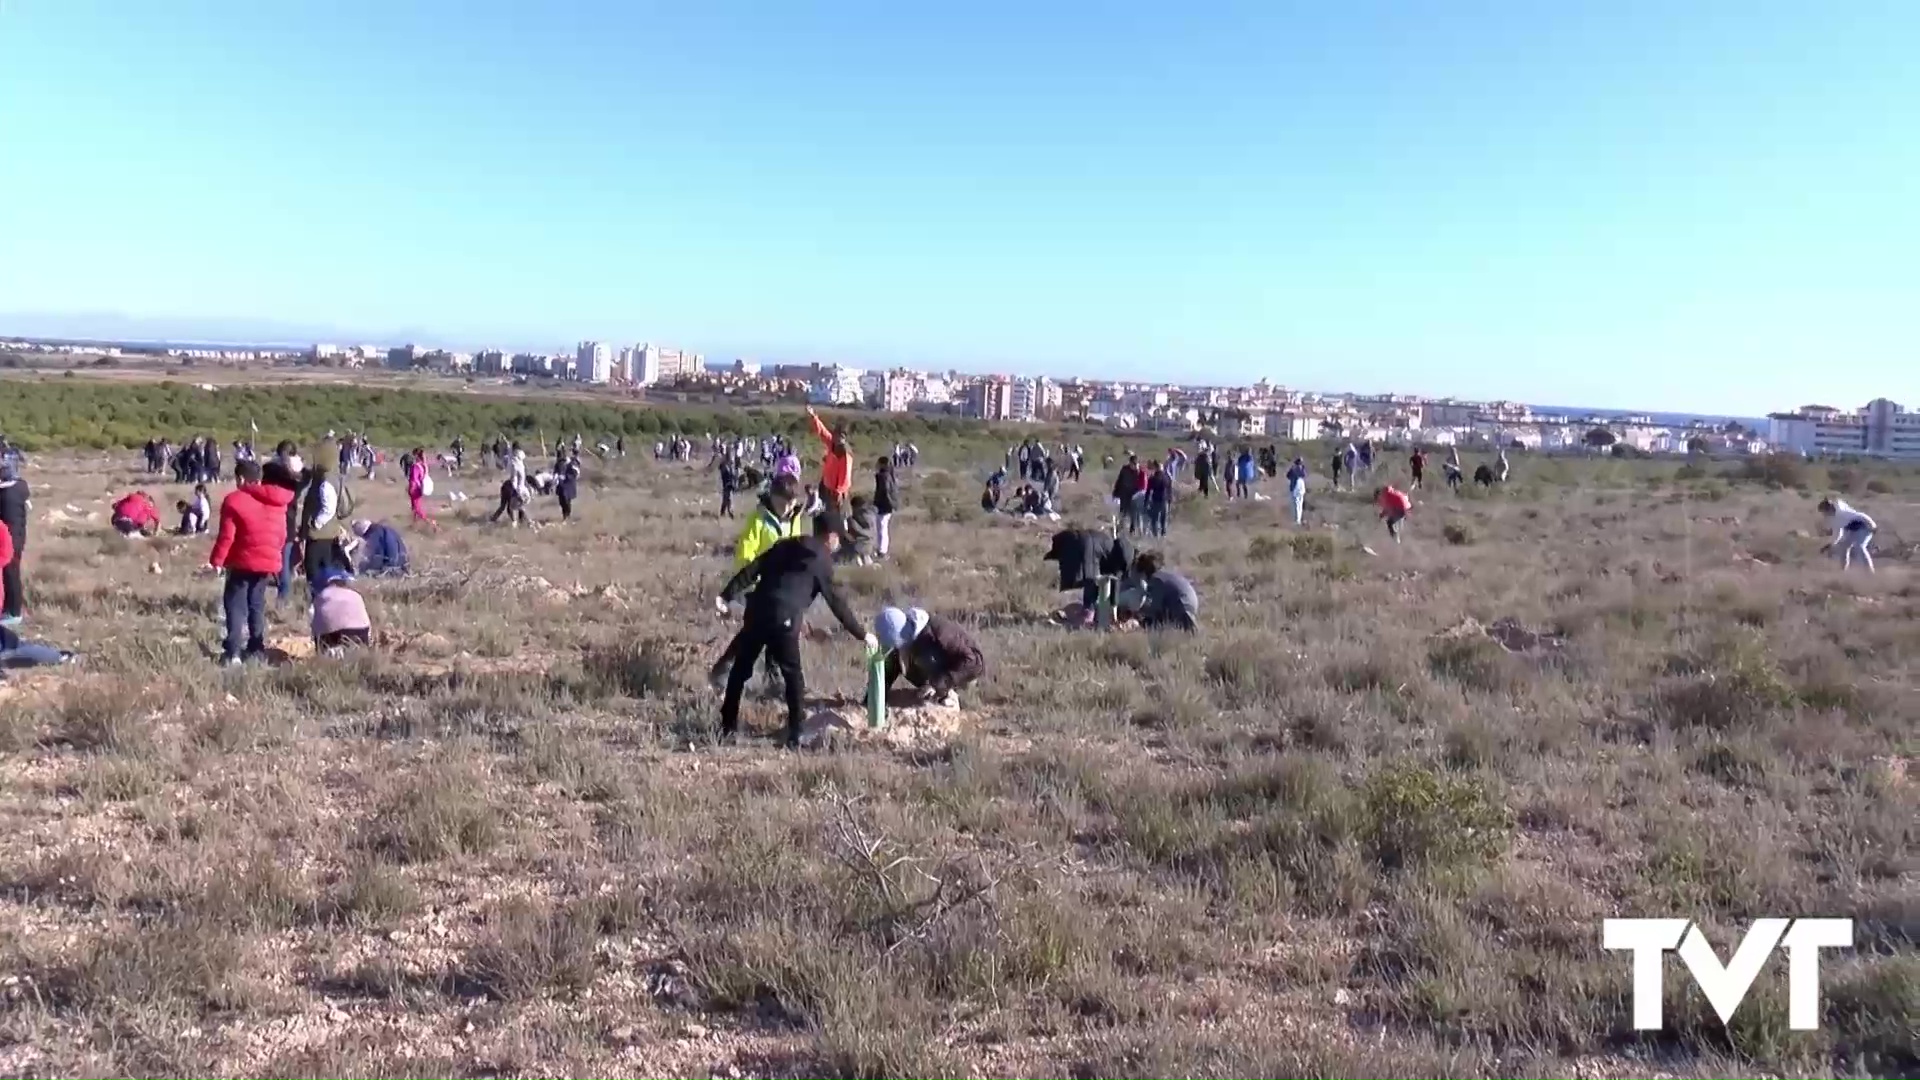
1691,204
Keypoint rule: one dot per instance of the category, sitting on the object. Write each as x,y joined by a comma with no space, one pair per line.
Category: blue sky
1700,205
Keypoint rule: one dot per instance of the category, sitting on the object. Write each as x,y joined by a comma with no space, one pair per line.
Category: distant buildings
991,398
836,385
593,362
1880,429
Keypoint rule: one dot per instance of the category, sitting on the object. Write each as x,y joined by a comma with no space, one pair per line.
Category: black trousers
566,504
726,500
781,643
510,505
245,598
11,585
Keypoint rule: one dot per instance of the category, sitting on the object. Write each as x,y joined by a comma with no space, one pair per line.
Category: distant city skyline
119,327
1700,207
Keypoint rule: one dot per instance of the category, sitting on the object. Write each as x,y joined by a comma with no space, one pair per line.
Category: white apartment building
1294,426
933,390
1033,398
491,362
837,385
1818,429
593,362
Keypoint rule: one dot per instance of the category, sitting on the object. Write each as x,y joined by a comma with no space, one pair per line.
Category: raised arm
820,429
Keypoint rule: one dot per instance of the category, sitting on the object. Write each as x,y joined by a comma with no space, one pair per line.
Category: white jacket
1845,516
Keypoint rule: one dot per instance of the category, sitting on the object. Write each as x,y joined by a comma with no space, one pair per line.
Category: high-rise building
1022,401
991,398
593,362
490,362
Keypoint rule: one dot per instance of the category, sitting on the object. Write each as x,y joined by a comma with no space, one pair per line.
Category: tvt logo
1726,985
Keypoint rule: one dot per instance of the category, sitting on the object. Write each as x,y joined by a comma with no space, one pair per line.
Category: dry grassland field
1366,822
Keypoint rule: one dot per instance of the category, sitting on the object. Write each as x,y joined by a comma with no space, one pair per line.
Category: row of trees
66,412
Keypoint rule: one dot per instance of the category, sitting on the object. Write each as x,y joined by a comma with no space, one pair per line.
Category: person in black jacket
288,471
784,582
567,486
1126,493
1159,499
1085,556
14,503
886,499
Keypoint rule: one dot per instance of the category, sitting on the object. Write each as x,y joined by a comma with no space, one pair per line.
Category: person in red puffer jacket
136,513
253,534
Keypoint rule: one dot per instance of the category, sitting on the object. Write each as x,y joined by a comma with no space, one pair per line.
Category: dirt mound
915,727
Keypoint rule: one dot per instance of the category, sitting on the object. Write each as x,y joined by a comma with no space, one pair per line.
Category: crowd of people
285,517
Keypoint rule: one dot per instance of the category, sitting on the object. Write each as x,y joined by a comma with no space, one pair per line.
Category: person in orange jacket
836,471
1394,505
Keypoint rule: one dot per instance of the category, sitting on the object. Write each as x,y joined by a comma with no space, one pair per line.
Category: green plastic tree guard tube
877,688
1103,604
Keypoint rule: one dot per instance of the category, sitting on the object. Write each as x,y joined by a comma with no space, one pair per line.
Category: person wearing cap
15,501
776,518
938,657
382,552
784,582
339,613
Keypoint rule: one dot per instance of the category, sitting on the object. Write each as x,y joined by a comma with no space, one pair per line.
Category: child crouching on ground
339,614
195,513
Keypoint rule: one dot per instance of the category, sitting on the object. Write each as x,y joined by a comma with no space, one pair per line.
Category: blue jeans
245,598
1134,504
286,572
1156,519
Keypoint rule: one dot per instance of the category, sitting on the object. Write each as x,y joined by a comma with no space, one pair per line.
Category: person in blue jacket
382,553
1243,469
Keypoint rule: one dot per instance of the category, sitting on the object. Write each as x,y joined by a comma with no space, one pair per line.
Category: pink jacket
339,608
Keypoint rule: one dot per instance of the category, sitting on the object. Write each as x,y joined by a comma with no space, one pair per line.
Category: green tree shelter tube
1103,605
877,688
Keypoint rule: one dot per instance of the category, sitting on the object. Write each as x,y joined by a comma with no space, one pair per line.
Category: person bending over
780,585
936,655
